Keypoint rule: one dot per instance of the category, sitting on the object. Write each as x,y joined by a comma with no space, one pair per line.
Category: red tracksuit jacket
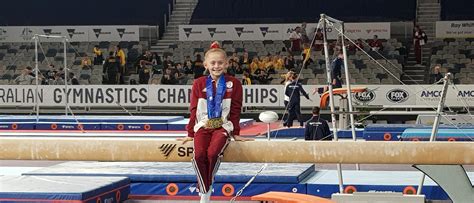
231,105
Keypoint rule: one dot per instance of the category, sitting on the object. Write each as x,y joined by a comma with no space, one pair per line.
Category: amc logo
168,149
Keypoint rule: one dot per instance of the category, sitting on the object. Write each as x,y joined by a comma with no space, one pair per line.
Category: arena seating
455,56
14,57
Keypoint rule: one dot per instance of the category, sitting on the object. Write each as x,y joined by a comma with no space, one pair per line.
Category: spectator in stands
246,79
231,70
295,38
168,78
436,75
376,44
188,65
24,78
419,39
304,34
86,61
179,74
238,69
290,63
155,80
254,65
357,46
262,76
156,63
58,80
133,82
85,73
234,57
98,57
268,65
245,60
144,72
317,128
294,90
50,74
168,62
72,79
120,54
318,41
110,69
277,62
198,67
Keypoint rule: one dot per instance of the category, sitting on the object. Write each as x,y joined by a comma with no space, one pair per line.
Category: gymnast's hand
242,139
184,139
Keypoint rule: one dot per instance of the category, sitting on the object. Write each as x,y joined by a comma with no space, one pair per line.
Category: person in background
110,69
98,57
120,54
419,40
296,40
317,128
436,75
198,67
24,78
294,91
376,44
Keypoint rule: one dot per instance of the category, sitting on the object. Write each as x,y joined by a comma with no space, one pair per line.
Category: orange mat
288,197
338,91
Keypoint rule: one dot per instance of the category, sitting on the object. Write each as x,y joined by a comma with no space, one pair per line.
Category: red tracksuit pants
209,146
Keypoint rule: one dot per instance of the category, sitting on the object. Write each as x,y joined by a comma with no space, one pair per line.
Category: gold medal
214,123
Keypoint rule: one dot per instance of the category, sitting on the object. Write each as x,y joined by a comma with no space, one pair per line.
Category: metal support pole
434,130
348,87
36,78
66,98
331,96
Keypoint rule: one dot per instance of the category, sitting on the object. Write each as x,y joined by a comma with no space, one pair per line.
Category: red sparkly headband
215,45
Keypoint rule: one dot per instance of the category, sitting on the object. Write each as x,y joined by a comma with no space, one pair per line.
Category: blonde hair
214,50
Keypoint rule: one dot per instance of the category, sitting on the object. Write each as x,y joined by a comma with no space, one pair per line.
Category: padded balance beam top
149,149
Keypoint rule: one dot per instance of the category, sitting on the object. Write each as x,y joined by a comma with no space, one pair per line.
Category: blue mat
299,133
190,189
60,188
133,123
93,119
181,124
443,134
378,131
325,183
166,172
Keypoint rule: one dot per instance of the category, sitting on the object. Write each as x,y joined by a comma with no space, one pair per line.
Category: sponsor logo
465,95
50,32
26,33
265,30
3,34
241,30
166,149
98,32
189,31
122,31
72,32
364,97
431,93
397,95
213,31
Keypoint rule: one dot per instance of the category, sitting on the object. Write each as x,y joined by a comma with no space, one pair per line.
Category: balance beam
149,149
